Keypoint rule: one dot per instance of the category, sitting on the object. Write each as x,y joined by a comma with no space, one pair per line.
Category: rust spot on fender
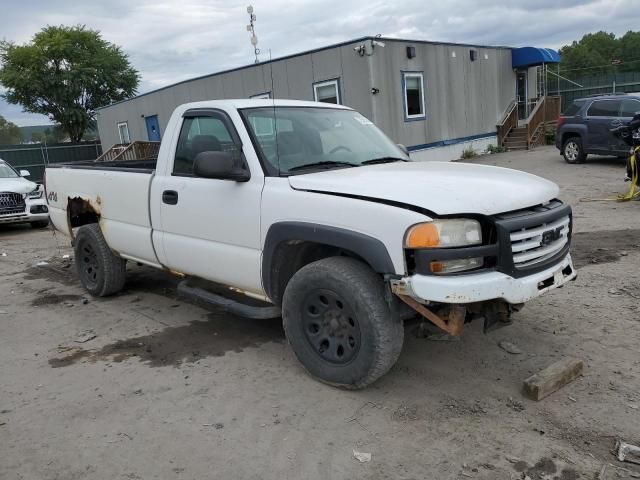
81,211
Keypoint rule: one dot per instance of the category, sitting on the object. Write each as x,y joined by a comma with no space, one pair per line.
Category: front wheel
572,150
101,272
338,323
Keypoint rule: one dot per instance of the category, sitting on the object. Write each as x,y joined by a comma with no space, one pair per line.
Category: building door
153,128
521,95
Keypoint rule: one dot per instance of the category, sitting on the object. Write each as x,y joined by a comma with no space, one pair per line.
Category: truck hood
443,188
16,185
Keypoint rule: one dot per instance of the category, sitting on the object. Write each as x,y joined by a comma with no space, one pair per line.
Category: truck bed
116,192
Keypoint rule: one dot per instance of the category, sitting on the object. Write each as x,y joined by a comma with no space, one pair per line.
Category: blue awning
531,56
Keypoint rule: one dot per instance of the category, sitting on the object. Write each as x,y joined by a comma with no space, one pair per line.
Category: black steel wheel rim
89,265
330,326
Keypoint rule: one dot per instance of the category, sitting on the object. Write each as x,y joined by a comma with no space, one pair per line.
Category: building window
123,132
327,92
261,95
413,91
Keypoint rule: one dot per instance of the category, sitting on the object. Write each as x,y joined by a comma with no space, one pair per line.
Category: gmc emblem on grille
551,236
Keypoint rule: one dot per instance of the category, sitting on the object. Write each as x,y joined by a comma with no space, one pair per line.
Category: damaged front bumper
479,287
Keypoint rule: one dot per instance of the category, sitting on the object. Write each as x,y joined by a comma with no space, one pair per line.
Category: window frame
263,96
324,83
405,106
226,121
634,100
126,125
588,114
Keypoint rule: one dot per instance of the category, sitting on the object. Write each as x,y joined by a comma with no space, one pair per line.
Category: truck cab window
201,134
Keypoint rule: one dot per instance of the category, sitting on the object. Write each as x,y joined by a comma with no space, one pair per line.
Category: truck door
209,228
602,116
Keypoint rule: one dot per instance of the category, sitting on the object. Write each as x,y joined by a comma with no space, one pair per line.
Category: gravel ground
147,386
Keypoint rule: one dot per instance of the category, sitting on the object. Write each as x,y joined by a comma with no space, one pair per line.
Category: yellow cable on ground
632,193
633,165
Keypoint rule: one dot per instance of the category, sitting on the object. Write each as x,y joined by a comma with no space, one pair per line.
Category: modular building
434,98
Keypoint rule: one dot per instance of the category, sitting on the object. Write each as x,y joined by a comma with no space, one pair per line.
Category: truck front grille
11,203
534,238
534,245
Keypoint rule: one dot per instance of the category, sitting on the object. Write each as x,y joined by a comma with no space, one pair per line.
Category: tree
66,73
595,52
50,135
9,133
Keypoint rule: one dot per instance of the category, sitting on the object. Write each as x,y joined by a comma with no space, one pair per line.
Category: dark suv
585,126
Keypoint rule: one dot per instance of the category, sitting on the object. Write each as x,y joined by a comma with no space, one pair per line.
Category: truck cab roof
256,103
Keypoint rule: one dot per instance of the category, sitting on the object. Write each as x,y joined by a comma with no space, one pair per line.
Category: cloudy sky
171,40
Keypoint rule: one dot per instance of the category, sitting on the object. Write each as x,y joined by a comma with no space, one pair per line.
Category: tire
338,323
40,224
572,150
101,272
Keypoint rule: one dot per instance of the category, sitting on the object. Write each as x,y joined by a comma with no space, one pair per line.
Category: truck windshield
311,138
7,172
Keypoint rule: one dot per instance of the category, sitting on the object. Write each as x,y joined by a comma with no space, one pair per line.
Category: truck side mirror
220,165
25,173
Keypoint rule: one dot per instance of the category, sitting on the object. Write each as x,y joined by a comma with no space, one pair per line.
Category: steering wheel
338,148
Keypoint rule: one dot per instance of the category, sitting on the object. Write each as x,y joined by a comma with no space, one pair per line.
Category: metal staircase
531,133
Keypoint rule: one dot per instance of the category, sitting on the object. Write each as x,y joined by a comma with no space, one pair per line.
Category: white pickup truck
310,208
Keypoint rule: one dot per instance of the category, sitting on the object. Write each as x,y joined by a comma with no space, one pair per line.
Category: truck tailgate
119,198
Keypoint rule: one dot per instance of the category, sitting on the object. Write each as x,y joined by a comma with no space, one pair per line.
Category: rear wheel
101,272
338,323
572,150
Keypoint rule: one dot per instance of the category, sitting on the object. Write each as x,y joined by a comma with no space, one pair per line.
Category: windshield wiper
375,161
325,163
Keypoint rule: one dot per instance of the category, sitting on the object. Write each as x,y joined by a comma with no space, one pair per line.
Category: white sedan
21,201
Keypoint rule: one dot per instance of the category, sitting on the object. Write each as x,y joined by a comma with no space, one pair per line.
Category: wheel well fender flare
368,248
577,132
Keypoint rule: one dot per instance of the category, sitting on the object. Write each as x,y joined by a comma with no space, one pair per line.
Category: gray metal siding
293,78
462,98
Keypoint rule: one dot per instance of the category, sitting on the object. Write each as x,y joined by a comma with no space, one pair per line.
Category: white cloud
171,40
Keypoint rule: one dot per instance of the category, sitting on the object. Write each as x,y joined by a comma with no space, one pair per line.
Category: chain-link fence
35,157
573,86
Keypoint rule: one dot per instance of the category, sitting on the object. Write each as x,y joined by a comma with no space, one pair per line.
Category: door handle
170,197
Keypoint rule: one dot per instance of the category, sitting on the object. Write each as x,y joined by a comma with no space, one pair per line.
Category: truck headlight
37,193
447,233
460,232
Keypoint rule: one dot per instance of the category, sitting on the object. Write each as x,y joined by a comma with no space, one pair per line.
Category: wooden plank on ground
552,378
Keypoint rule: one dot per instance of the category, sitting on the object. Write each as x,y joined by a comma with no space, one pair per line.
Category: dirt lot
169,390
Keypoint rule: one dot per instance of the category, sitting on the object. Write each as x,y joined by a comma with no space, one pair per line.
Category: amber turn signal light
423,235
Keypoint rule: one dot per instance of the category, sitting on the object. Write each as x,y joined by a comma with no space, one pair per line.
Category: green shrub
491,149
550,137
468,152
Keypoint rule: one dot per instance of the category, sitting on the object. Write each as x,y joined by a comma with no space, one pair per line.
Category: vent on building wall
473,54
411,52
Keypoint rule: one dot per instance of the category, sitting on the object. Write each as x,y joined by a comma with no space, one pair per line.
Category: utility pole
615,64
251,29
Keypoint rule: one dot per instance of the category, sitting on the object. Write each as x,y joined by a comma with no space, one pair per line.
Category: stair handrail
137,150
535,119
508,123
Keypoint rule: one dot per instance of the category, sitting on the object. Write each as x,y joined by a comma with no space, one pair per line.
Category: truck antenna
273,103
